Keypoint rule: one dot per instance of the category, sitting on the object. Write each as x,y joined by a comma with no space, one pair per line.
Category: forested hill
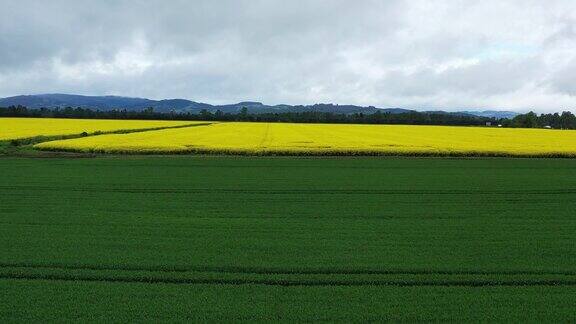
109,103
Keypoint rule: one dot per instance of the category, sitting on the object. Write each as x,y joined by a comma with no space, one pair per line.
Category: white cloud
449,54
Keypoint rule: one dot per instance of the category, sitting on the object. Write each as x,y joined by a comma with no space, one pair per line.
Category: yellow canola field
19,128
331,139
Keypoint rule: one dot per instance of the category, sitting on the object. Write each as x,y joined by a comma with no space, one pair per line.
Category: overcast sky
450,54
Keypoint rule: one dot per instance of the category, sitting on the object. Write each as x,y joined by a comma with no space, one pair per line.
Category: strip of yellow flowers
331,139
18,128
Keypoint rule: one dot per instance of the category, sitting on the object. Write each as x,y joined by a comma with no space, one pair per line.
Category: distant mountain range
105,103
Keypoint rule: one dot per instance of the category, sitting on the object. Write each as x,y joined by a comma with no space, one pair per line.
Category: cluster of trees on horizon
565,120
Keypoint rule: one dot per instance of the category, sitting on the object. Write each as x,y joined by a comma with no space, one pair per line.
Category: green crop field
202,238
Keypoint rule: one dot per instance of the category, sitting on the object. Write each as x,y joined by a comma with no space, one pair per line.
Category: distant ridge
493,113
106,103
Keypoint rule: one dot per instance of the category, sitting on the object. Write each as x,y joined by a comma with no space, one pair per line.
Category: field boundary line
312,153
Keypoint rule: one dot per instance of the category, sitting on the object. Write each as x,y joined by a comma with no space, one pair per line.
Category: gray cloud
515,54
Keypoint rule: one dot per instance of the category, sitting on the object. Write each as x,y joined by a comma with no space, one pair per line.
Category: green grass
240,238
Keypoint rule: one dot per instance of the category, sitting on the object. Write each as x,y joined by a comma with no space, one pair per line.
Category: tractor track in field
282,276
288,271
294,191
290,282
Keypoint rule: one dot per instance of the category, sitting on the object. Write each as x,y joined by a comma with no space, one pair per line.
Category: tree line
416,118
565,120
